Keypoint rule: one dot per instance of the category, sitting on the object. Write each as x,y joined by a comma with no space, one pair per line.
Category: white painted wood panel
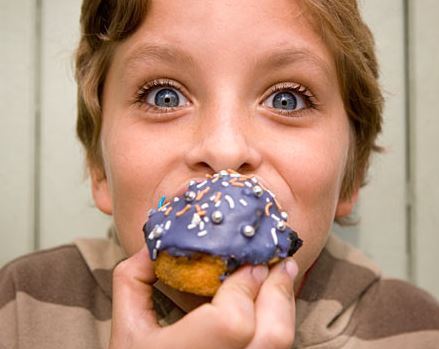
67,210
424,54
381,233
17,87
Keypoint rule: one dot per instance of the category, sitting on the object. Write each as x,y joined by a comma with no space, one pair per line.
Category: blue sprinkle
161,201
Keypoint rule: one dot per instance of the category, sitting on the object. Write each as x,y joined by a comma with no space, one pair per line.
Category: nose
223,140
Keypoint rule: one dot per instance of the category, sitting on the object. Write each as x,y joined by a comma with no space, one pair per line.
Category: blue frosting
243,224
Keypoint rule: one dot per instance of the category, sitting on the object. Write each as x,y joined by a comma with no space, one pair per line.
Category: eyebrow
159,53
272,59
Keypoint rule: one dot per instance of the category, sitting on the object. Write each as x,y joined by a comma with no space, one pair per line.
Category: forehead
263,33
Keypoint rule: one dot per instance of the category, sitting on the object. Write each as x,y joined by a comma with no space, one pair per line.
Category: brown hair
104,23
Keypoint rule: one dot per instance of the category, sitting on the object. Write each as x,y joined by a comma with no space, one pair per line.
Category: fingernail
260,272
291,268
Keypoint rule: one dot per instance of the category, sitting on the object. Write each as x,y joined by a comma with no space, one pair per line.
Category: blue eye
286,100
167,97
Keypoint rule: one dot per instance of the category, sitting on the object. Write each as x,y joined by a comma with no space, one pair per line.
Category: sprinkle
276,218
191,226
161,201
206,219
281,225
274,236
196,219
202,193
201,185
154,254
277,204
216,177
235,175
183,211
267,208
284,215
248,231
232,171
217,217
254,180
158,244
167,225
230,201
223,173
163,208
243,202
237,184
168,211
267,199
200,212
202,233
176,199
248,184
205,205
225,184
207,175
156,232
218,196
201,226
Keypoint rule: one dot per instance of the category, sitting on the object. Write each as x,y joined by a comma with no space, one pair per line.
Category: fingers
275,308
132,293
229,320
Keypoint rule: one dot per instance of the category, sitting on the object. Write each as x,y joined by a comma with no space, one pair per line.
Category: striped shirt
61,298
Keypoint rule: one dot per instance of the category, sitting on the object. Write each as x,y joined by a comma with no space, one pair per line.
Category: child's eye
161,96
165,98
289,98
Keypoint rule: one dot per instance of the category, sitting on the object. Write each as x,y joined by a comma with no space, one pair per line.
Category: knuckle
237,327
280,337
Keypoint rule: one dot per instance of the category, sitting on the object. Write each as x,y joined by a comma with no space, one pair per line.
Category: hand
253,309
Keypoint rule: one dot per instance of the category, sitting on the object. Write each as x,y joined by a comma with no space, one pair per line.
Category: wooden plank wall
45,201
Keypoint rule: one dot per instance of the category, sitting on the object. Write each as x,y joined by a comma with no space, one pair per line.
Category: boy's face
208,85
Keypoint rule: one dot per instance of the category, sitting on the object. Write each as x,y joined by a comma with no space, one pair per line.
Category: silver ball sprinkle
248,231
284,215
281,226
223,173
157,231
217,217
258,191
190,196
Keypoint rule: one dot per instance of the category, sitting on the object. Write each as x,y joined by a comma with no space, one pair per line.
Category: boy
170,91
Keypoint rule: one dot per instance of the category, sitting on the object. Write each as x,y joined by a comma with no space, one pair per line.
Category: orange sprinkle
208,175
243,178
200,212
217,196
232,171
215,179
267,208
202,193
237,184
183,211
168,211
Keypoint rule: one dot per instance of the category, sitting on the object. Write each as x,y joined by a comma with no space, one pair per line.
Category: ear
346,206
101,190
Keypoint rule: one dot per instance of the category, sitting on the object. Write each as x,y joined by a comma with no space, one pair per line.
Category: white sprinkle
196,219
230,201
276,218
191,226
201,226
151,235
212,197
225,184
205,206
254,180
167,225
154,254
248,184
269,192
218,203
158,244
235,175
201,185
274,235
243,202
267,200
192,182
202,233
206,219
176,199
